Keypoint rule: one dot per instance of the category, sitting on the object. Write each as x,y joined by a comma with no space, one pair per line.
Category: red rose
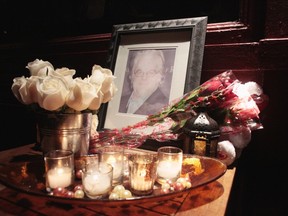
210,86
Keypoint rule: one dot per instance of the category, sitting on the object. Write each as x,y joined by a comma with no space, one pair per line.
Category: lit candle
142,173
140,181
96,184
117,165
169,169
113,155
59,177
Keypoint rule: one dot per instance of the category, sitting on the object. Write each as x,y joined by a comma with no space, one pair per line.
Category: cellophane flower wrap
232,104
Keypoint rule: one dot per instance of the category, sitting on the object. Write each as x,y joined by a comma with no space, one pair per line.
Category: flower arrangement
55,90
234,105
225,98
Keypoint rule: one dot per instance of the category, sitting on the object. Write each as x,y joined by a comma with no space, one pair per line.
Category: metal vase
64,131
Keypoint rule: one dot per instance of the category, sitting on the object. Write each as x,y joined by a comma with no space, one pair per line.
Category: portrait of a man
147,85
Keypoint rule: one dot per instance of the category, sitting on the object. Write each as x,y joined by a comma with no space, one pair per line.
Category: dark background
32,20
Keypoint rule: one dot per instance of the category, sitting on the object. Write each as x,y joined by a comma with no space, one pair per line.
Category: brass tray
28,177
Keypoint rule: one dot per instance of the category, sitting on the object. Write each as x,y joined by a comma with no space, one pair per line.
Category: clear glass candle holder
113,155
170,164
97,180
59,169
142,173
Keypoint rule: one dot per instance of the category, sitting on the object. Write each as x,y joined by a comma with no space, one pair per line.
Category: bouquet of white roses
56,91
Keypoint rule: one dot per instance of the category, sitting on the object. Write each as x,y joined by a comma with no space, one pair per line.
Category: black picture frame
187,35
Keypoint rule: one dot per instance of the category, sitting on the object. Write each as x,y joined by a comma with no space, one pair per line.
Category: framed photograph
154,64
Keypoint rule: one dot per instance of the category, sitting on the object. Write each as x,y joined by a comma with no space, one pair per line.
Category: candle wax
96,183
169,169
59,177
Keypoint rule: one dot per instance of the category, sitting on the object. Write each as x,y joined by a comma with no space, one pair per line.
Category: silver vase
64,131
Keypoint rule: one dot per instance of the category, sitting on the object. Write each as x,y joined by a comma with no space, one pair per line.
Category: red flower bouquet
232,104
225,98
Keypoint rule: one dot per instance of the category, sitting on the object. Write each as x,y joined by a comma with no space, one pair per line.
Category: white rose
108,95
40,68
106,85
104,77
96,102
66,73
52,93
20,91
81,95
97,76
31,87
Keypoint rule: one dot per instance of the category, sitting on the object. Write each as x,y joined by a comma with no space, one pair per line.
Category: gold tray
28,177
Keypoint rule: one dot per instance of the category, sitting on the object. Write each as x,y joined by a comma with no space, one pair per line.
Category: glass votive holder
97,179
80,163
113,155
59,169
170,164
142,173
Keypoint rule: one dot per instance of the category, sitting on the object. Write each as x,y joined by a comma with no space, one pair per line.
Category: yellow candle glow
142,173
141,182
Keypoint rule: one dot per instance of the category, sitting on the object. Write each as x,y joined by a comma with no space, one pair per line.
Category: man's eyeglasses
140,73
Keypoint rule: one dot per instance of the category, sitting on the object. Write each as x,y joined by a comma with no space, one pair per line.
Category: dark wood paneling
276,19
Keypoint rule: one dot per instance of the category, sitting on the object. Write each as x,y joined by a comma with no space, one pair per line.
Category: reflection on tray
28,177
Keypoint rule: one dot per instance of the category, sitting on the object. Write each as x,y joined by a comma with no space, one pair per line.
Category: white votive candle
59,177
140,181
96,183
117,165
169,169
142,173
